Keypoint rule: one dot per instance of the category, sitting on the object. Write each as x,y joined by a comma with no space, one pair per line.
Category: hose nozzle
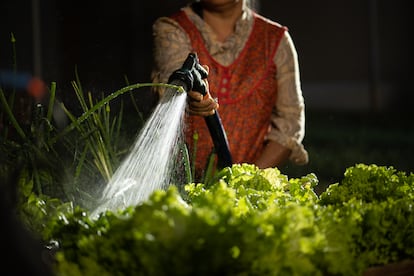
190,76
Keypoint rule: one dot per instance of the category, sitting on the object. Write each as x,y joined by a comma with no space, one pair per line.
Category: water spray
152,159
190,76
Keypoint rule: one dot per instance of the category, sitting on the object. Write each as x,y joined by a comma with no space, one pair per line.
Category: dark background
354,55
355,59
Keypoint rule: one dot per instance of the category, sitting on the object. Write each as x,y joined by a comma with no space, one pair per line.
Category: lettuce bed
248,222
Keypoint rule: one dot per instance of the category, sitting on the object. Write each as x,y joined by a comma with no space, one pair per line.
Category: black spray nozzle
190,75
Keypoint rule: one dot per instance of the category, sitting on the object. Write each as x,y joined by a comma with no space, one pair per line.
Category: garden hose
190,76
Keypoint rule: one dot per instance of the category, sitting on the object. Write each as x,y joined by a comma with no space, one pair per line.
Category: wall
354,55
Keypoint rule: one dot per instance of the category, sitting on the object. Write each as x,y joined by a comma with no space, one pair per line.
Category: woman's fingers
201,106
195,96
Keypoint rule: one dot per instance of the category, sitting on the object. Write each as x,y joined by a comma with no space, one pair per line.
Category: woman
253,74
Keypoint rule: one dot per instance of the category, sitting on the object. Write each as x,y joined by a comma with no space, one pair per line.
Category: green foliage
227,229
62,163
370,183
246,222
381,201
26,146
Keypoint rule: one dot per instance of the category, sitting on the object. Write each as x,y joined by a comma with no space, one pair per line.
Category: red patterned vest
246,91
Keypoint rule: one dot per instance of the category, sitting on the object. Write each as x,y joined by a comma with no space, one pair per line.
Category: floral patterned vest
246,91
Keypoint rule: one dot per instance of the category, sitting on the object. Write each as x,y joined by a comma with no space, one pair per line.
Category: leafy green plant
381,200
247,221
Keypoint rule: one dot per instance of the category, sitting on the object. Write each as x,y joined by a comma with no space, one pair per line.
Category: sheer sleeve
288,118
171,47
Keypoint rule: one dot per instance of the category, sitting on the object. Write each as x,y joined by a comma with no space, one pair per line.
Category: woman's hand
200,105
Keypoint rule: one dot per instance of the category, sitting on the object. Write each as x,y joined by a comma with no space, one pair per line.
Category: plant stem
107,99
11,116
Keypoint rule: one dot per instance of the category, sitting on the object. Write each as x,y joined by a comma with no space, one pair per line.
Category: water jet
152,159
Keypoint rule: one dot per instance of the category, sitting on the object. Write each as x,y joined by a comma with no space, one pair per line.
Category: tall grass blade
10,115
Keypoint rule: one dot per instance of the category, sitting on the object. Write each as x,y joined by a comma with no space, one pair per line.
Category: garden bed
246,221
